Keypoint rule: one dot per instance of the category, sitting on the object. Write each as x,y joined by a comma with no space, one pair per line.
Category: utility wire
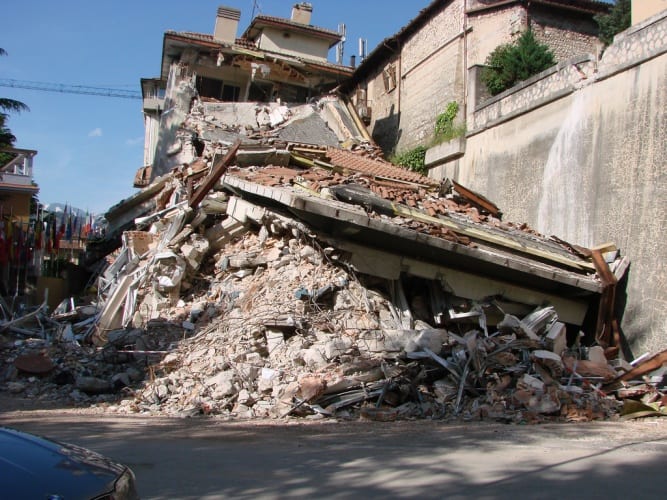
70,89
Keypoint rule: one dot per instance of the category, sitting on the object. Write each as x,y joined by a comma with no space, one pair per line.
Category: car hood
34,467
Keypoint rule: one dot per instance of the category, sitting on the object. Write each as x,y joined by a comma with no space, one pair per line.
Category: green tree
618,19
6,106
511,63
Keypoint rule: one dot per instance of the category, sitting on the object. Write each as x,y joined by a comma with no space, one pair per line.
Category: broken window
389,77
217,89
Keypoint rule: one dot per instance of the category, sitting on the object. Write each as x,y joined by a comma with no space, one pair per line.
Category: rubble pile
276,323
268,276
284,330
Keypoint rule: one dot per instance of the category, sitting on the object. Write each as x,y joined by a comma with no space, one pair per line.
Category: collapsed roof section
389,222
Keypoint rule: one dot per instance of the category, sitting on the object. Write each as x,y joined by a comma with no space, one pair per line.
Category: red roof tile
376,168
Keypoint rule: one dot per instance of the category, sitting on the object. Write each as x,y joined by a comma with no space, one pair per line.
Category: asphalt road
207,458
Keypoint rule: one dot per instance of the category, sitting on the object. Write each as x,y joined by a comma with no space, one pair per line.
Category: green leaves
6,106
618,19
413,159
512,63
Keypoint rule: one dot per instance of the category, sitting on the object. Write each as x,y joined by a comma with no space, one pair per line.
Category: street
208,458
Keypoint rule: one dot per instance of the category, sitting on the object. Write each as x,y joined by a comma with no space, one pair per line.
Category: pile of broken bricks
232,307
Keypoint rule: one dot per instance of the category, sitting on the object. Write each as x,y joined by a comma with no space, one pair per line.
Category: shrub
412,159
618,19
511,63
445,129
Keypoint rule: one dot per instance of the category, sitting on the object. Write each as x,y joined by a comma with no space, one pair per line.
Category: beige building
402,86
17,186
643,9
274,59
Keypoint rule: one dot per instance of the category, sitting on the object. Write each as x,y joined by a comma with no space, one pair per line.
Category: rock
549,360
336,347
134,373
314,358
311,387
596,356
16,387
120,380
222,384
37,364
92,385
432,339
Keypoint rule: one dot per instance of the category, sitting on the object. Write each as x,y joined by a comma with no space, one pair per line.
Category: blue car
33,467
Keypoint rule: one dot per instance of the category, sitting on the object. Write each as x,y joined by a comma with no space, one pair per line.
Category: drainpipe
465,62
400,78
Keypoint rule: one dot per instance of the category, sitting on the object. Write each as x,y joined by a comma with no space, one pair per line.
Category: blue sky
89,147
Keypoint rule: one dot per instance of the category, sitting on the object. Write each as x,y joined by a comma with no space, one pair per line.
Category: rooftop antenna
341,45
255,6
363,43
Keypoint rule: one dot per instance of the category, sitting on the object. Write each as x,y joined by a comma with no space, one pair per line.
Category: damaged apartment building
274,264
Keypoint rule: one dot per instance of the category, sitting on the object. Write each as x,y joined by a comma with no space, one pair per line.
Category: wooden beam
645,367
477,199
604,327
218,168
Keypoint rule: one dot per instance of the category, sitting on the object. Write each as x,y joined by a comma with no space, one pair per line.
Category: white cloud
135,141
96,132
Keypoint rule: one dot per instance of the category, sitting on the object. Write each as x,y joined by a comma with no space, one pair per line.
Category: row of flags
18,243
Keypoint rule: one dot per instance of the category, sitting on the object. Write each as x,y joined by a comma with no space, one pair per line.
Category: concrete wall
295,44
585,160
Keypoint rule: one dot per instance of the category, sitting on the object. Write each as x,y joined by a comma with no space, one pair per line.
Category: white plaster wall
294,44
590,168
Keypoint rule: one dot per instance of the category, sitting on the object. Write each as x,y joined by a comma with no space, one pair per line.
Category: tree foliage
511,63
618,19
6,106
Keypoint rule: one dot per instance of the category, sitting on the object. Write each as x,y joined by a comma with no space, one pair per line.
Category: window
389,77
210,87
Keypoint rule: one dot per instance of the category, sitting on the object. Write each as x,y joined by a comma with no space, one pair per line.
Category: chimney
301,13
226,24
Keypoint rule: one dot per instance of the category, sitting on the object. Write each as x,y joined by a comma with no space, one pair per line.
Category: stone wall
565,35
542,88
491,28
585,160
431,63
445,25
384,106
426,90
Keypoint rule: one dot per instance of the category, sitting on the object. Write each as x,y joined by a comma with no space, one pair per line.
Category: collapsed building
273,264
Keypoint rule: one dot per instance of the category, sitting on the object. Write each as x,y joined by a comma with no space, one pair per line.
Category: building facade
409,79
274,60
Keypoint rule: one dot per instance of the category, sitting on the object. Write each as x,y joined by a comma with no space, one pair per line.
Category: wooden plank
219,168
477,199
604,325
645,367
